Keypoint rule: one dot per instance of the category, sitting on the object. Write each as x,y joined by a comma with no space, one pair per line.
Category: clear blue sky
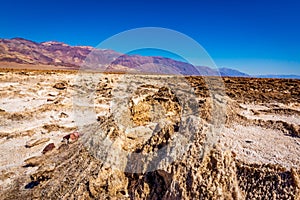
256,37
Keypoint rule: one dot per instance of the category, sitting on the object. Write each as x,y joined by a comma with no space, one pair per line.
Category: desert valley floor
254,153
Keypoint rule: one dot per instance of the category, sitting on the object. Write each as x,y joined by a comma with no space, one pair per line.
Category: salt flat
242,131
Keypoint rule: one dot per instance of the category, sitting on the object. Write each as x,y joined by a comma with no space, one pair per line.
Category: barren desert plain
47,152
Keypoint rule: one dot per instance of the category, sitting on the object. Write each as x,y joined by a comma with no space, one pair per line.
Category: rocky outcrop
218,175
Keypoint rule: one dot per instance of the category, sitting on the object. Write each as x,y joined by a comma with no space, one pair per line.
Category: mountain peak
23,40
50,43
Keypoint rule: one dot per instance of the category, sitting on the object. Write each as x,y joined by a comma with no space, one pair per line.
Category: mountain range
61,55
291,76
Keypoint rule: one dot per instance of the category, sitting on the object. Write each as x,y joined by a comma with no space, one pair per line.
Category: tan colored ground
256,155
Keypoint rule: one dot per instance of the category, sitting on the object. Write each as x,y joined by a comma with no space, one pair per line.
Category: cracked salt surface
294,119
266,146
20,104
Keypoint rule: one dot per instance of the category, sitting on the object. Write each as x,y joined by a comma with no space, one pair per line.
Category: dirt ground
258,135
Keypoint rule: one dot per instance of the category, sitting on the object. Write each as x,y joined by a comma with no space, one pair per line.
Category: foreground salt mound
72,173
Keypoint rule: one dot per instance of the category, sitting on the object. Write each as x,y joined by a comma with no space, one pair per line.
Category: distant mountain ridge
19,50
232,72
291,76
52,53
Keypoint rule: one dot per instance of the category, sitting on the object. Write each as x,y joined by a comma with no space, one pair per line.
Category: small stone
33,161
35,142
53,94
49,147
60,85
66,137
72,137
63,115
